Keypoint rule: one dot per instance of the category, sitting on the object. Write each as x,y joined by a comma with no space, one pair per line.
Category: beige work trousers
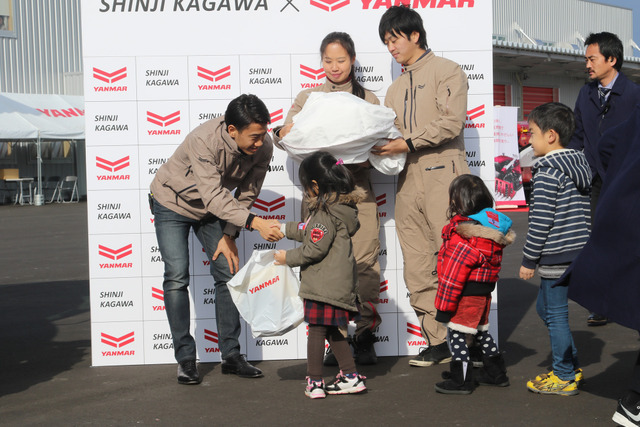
422,201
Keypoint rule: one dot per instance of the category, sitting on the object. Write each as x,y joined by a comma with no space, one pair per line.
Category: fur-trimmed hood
344,209
487,224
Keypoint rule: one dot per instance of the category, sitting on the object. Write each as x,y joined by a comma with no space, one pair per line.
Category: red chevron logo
109,77
211,336
163,121
157,293
112,166
312,73
277,115
381,199
214,76
329,5
117,342
414,329
384,286
475,113
271,206
115,254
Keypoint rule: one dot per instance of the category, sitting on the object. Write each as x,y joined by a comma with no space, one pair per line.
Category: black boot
365,352
494,372
456,382
330,358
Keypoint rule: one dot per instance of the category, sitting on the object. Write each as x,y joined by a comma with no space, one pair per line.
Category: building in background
538,49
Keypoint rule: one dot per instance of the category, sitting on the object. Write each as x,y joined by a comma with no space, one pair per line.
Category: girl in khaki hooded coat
328,269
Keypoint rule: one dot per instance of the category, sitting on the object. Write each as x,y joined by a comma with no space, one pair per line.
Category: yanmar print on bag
266,295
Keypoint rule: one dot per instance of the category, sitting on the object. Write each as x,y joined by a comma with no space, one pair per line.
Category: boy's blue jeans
553,309
172,232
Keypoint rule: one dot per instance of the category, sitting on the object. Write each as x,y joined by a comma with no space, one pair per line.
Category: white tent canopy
38,117
28,116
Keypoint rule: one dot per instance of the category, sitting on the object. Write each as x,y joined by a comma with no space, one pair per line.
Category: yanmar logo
270,206
115,255
418,4
109,78
212,337
112,167
329,5
159,295
415,330
163,122
314,74
118,342
380,201
214,76
264,285
384,286
474,114
276,116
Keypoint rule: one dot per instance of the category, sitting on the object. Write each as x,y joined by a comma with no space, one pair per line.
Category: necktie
602,94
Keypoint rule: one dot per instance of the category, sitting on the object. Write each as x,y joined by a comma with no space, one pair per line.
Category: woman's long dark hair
332,176
468,195
345,40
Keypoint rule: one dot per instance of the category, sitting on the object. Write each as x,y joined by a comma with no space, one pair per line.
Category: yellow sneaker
551,384
579,377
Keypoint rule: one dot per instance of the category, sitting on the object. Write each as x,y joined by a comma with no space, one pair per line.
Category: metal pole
39,197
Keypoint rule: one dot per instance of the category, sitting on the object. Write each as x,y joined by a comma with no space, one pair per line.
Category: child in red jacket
468,265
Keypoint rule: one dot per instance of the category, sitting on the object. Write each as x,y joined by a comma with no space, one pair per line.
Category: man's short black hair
556,116
246,109
402,19
610,46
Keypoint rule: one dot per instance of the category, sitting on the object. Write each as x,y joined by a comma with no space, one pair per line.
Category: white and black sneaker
628,416
347,384
315,389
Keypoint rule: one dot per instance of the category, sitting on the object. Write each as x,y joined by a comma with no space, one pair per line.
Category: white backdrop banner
156,69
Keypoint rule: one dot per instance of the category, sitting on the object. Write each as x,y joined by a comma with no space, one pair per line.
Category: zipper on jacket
411,112
453,165
404,117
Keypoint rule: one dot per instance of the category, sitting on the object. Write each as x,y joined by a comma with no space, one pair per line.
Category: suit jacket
592,120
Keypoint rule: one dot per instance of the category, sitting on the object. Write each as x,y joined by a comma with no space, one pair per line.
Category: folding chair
50,188
68,184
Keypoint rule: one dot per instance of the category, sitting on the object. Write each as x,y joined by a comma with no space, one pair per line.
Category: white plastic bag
347,127
266,295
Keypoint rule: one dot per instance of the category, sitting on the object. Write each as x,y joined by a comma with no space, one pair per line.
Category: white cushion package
345,126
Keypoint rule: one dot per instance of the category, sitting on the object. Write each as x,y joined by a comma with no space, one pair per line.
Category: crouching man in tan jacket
193,190
430,101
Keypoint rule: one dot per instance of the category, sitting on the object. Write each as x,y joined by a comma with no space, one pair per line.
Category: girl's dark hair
345,40
333,179
245,110
468,195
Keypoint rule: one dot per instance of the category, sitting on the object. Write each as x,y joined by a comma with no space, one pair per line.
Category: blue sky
629,4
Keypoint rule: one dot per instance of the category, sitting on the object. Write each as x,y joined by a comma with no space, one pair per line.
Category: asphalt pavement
46,377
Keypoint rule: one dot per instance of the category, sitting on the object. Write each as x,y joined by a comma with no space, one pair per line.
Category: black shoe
627,414
475,356
238,365
432,355
456,380
365,353
494,372
596,320
188,372
330,358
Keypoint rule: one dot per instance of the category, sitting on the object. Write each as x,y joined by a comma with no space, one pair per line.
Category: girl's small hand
280,257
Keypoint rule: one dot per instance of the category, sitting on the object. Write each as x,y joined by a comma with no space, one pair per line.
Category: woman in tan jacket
338,59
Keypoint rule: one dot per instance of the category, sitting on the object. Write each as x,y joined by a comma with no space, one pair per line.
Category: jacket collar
229,143
344,87
421,62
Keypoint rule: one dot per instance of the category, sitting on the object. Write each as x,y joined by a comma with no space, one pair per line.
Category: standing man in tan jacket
430,101
195,190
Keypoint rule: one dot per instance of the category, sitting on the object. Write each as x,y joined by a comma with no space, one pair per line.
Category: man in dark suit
606,101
